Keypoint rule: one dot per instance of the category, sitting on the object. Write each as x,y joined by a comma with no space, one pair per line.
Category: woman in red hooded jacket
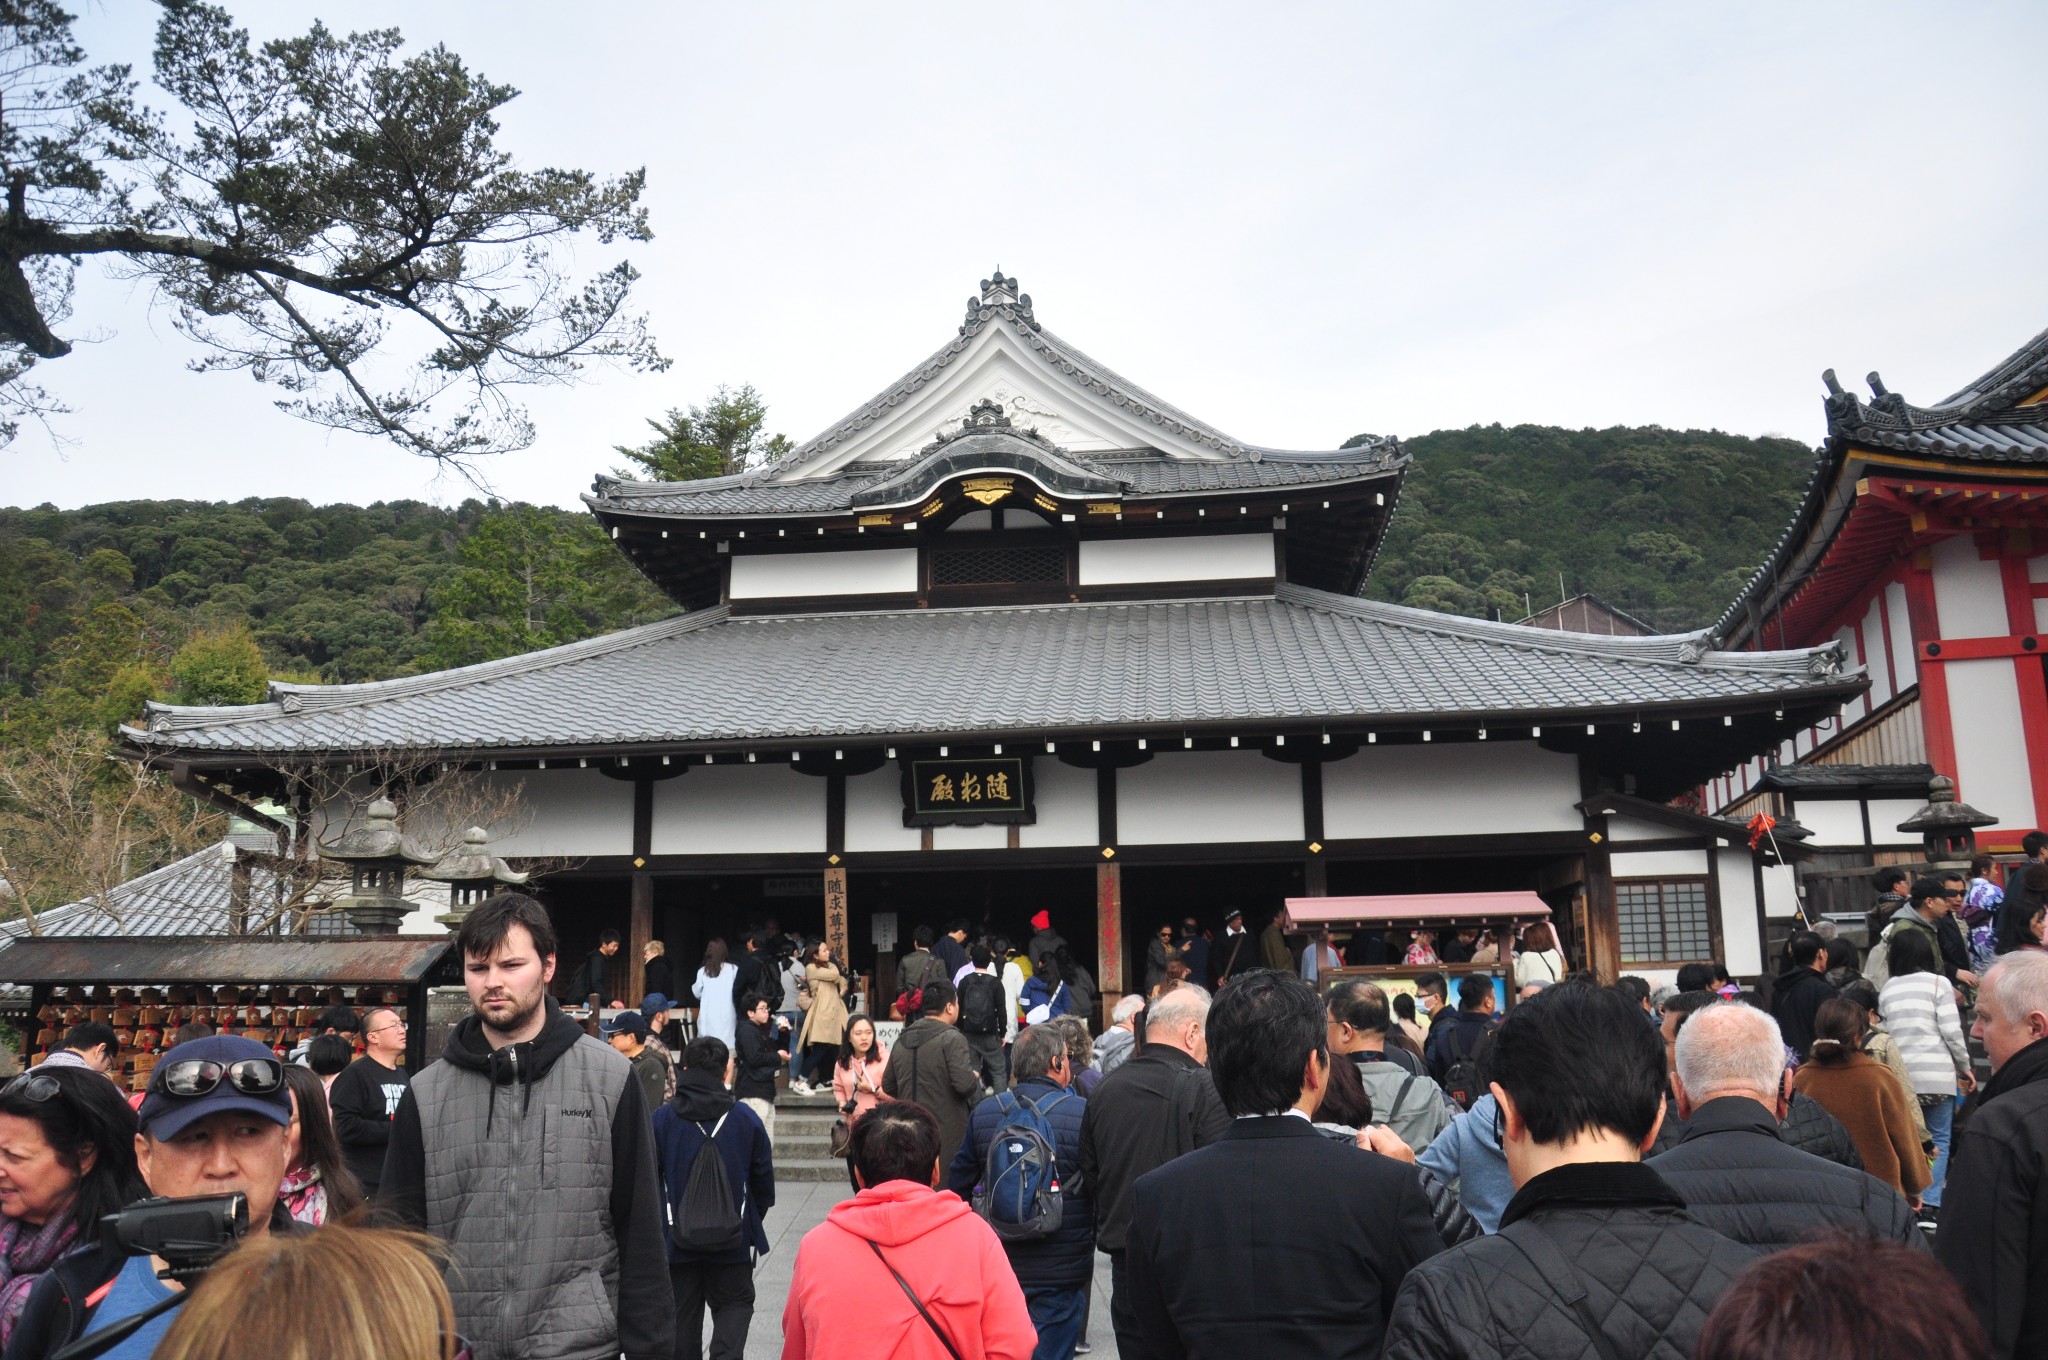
902,1238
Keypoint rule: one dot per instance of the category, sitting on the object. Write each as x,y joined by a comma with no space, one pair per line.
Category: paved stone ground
801,1206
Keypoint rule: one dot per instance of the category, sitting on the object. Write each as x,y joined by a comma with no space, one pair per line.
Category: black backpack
981,1004
704,1219
1461,1078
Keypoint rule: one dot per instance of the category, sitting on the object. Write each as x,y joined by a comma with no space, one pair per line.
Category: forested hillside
1666,524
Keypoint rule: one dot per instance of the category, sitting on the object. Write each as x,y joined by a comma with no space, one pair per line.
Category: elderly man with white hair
1120,1040
1734,1172
1994,1235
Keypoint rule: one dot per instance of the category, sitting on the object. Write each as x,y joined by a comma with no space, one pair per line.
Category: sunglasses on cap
200,1076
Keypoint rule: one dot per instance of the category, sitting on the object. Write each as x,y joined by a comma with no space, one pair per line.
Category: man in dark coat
1159,1105
1890,883
1593,1238
1303,1255
1734,1172
1457,1040
1194,952
1800,989
1234,951
950,949
1055,1270
932,1065
1994,1233
705,1115
1044,939
594,974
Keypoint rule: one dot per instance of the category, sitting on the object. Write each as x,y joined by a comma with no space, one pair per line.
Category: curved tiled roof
1984,423
1297,656
188,897
1140,476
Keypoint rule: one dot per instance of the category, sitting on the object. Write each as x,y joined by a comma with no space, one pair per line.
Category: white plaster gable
997,366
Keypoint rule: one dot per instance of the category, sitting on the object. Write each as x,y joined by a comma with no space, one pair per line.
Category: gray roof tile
185,897
1297,656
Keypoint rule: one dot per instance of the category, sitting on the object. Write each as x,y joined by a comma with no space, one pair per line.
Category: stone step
804,1124
827,1170
789,1100
786,1146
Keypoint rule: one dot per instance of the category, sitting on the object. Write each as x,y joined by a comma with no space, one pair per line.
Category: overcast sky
1297,222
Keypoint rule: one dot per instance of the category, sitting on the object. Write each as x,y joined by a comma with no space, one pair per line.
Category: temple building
1018,635
1920,549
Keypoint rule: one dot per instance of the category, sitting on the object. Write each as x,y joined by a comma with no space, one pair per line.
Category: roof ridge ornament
995,293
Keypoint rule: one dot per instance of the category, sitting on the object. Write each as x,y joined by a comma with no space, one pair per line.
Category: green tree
717,439
220,666
532,577
317,211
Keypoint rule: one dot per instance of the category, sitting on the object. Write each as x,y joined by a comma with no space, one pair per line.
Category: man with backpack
714,1203
981,1018
1454,1045
917,968
1020,1168
932,1065
1412,1105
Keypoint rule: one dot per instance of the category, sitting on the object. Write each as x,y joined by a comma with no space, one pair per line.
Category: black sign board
967,791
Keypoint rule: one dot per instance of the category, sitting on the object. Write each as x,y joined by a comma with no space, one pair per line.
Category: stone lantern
377,856
471,873
1947,828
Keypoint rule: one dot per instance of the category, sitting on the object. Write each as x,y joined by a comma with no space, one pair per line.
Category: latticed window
1664,919
1035,565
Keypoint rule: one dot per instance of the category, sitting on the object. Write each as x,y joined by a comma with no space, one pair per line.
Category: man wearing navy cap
213,1122
654,1010
627,1032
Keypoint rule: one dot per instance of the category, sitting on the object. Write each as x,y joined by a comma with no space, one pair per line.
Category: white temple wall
1137,561
1905,670
1631,829
1885,816
564,814
1478,789
1739,940
1658,864
1834,821
874,571
1065,799
1781,893
1969,592
1991,745
874,812
1875,661
1202,797
738,810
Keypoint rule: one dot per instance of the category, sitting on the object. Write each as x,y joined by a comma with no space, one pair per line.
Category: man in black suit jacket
1305,1255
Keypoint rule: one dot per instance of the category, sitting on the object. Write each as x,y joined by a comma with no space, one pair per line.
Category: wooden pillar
1315,876
641,929
835,914
1109,930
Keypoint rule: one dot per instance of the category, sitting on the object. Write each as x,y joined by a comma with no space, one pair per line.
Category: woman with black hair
1919,1008
318,1186
1856,1089
67,1158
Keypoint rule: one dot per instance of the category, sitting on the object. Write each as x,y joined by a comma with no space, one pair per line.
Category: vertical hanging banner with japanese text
967,791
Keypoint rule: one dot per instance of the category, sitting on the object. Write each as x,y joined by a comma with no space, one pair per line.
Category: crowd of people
1274,1162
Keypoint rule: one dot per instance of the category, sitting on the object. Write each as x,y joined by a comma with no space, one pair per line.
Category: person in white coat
713,987
1013,990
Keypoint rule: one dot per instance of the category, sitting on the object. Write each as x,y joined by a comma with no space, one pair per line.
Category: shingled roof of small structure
187,897
1984,423
1297,656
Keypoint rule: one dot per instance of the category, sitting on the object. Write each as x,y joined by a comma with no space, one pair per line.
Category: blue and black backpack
1019,1193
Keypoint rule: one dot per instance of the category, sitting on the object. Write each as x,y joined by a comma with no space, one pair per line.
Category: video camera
188,1235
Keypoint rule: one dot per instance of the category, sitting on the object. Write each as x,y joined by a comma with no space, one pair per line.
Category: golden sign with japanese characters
967,791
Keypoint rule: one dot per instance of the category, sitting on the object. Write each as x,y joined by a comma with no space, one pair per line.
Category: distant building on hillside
1589,614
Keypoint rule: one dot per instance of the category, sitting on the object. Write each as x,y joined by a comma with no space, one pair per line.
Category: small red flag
1760,827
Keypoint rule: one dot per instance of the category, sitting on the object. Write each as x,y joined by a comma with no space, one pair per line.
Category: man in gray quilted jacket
528,1150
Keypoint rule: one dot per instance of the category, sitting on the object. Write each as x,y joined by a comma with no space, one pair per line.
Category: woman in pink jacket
857,1076
899,1239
